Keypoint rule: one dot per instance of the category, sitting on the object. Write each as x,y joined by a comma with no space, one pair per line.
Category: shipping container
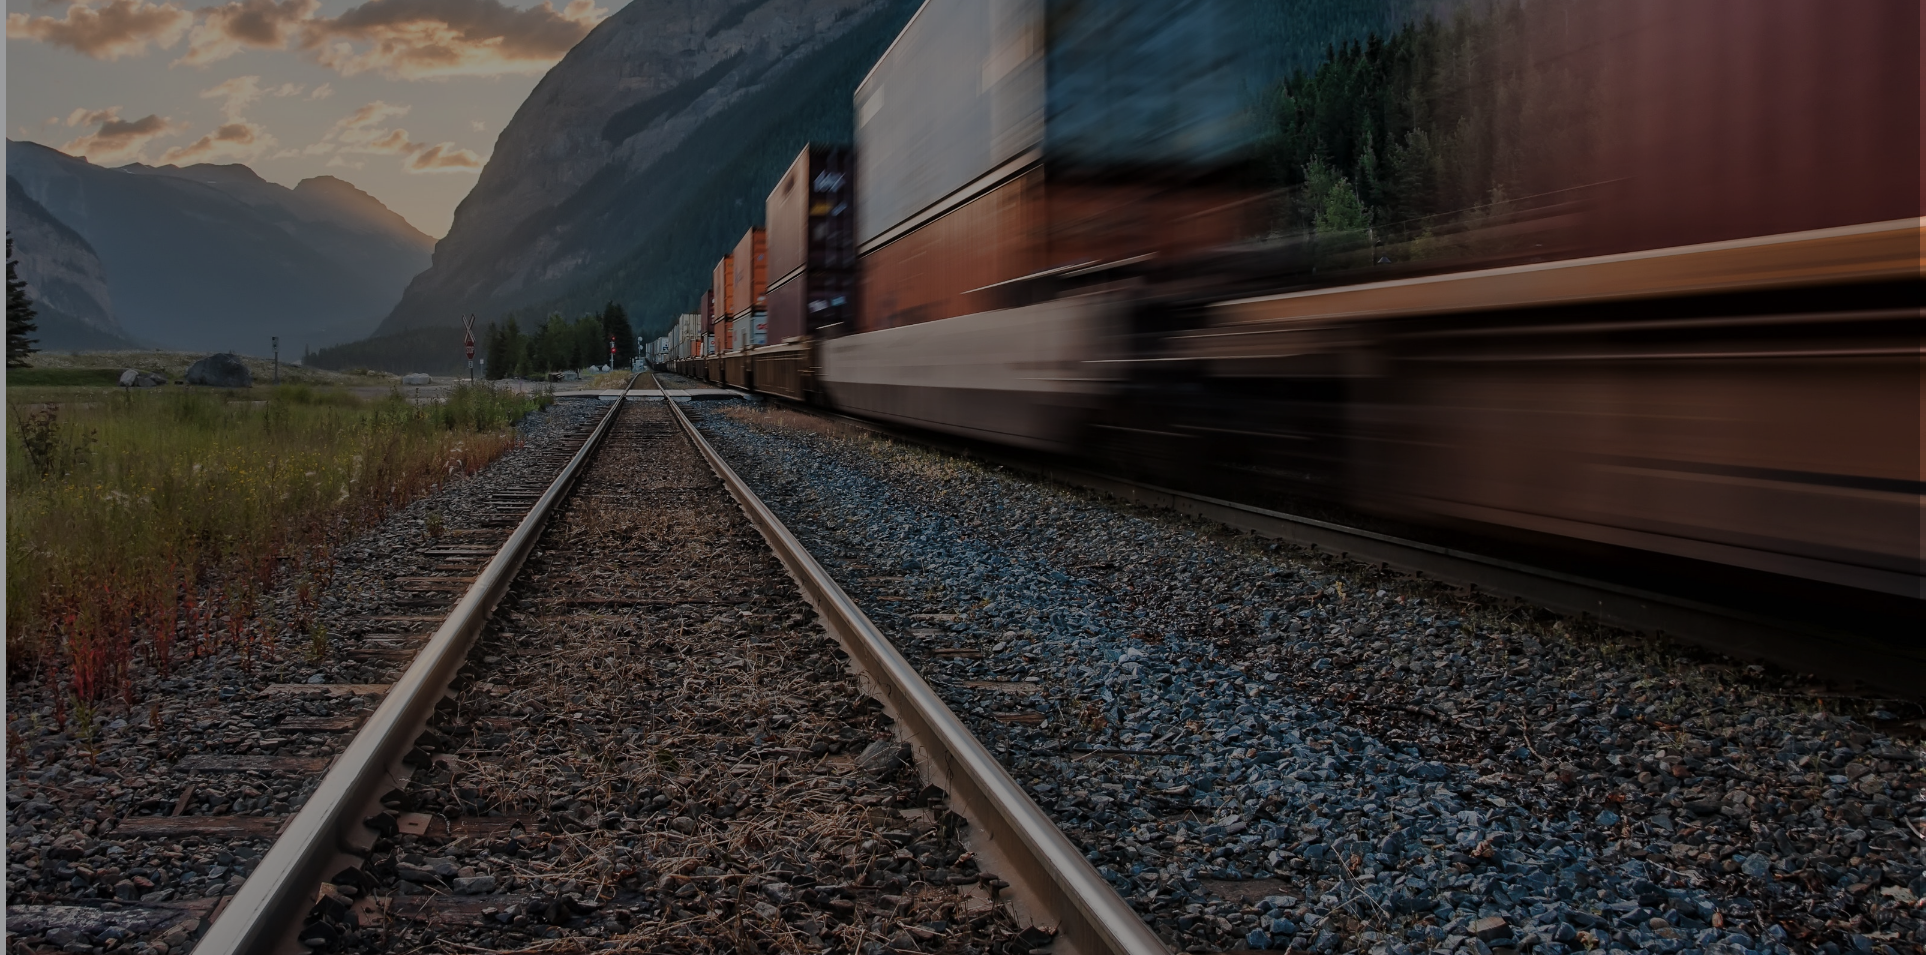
722,290
972,93
812,246
811,214
818,302
748,273
998,141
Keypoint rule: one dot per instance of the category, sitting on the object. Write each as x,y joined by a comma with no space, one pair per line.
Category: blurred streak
1634,273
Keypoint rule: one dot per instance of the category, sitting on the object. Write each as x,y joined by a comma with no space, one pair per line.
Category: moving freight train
1625,278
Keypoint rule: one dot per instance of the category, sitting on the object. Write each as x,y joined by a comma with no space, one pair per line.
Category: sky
403,98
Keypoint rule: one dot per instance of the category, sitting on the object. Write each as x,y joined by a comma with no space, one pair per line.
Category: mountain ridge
68,286
644,154
214,257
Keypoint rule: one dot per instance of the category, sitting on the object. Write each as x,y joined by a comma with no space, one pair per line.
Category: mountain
645,153
213,257
73,308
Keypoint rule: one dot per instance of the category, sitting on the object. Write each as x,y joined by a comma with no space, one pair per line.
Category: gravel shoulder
1262,747
129,826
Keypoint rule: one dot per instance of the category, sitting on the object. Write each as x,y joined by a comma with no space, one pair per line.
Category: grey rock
222,370
415,873
25,919
474,885
881,757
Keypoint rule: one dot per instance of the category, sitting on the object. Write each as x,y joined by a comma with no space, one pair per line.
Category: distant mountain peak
645,153
210,256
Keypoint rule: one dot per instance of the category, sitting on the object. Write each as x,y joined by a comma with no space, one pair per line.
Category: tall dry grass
150,526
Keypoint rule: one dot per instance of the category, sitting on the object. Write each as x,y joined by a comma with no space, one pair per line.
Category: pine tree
20,313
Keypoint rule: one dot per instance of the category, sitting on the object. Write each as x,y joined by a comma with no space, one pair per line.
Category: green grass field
148,524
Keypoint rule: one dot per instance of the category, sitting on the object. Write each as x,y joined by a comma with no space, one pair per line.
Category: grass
149,525
62,377
174,366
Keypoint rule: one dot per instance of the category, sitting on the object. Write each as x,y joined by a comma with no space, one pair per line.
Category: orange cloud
263,24
117,140
236,139
119,28
239,142
444,157
415,39
366,131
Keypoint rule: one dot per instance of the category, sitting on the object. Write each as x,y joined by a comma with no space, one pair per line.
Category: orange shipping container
749,282
722,286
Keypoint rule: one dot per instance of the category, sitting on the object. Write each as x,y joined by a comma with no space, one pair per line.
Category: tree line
1411,141
558,344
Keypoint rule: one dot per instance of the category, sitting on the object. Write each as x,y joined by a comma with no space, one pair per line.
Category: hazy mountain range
643,155
203,257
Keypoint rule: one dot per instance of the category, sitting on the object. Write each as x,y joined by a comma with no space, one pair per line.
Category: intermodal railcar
1618,276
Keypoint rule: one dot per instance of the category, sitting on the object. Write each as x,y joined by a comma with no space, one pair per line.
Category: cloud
402,39
238,141
366,131
263,24
444,157
239,93
116,140
322,92
119,28
415,39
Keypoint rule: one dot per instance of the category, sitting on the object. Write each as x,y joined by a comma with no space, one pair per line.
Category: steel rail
1051,877
330,831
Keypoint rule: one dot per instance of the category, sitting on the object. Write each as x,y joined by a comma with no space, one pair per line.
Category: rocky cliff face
642,156
68,285
215,258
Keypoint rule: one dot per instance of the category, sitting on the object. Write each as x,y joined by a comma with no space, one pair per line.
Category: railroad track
638,725
1264,746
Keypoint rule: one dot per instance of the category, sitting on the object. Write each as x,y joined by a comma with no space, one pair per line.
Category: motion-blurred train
1625,279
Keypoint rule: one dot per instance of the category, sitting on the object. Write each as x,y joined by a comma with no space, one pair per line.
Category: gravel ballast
653,747
1262,747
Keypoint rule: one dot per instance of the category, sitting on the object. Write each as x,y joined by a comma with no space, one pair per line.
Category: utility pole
468,345
275,342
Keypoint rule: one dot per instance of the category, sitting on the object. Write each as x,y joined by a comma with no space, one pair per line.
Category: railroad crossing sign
468,336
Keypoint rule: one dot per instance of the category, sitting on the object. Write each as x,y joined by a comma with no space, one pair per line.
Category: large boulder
220,371
135,378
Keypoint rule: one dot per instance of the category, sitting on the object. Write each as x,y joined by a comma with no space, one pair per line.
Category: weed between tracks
149,525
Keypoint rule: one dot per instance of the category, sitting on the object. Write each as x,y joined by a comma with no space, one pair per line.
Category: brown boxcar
781,370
